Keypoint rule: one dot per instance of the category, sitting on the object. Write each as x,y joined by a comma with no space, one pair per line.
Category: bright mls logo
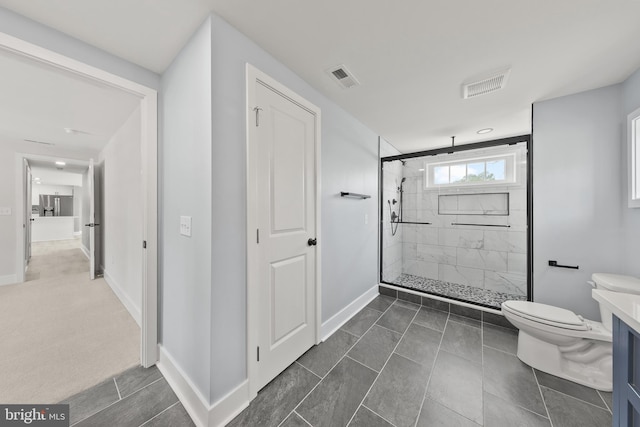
34,415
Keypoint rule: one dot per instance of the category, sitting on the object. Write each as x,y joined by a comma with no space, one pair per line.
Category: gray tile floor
137,397
397,363
418,363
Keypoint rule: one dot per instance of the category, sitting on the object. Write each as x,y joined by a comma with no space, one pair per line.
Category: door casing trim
254,75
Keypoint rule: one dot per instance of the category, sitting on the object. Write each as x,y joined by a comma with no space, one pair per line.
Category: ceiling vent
343,76
486,84
39,142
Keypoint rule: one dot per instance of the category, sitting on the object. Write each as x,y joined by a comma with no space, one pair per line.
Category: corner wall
577,198
185,173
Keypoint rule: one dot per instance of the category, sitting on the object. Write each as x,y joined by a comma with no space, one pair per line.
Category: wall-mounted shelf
354,195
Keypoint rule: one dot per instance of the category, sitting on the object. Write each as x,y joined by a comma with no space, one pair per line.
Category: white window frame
511,172
633,138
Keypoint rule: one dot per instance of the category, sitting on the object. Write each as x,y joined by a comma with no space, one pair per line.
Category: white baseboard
85,251
340,318
227,408
193,401
202,414
9,279
133,310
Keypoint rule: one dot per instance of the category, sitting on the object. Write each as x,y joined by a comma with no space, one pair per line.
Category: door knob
312,242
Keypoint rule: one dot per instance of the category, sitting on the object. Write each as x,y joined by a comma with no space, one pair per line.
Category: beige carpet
61,335
56,258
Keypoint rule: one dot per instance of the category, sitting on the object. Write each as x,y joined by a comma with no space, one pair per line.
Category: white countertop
625,306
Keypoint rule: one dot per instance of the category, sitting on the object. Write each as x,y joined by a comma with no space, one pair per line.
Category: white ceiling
39,100
411,56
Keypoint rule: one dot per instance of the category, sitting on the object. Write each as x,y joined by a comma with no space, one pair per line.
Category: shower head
403,180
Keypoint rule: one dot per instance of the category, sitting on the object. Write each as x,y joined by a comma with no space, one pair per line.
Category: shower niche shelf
488,204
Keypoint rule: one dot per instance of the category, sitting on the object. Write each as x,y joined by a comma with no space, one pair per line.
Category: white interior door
28,220
92,220
284,155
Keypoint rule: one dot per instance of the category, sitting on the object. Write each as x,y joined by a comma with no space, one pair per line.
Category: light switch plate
5,211
185,226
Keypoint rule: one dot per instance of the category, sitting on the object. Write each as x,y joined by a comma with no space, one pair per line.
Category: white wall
577,198
23,28
349,163
122,213
56,177
185,168
630,217
78,225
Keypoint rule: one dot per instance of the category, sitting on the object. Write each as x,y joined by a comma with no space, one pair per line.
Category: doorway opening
56,203
144,249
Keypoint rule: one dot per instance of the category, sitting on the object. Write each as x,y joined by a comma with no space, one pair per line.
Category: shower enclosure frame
527,138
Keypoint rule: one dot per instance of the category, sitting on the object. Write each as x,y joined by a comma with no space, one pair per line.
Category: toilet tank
614,283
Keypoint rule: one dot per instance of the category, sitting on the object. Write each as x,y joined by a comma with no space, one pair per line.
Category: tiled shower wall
492,258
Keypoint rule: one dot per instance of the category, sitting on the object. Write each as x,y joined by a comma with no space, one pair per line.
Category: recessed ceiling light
421,170
485,130
60,163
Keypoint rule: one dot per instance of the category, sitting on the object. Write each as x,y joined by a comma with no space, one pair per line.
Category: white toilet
561,343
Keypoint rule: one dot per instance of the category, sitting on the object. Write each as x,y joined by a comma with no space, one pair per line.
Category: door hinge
257,110
144,244
257,235
258,353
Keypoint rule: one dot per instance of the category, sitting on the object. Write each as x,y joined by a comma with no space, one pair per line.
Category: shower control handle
312,242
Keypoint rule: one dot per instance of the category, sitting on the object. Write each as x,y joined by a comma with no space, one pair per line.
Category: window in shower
463,232
479,171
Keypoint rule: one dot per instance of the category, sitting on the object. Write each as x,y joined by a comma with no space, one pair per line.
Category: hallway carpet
62,335
56,258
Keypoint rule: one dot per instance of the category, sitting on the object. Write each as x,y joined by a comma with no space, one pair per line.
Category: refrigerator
55,205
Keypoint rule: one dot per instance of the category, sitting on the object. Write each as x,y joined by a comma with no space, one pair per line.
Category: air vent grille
485,85
39,142
343,76
340,74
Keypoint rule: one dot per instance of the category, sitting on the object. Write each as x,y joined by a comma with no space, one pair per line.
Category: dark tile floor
137,397
398,363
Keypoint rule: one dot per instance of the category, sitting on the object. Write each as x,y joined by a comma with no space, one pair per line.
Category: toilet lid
547,314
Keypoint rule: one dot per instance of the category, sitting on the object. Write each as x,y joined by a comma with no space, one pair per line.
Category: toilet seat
546,314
